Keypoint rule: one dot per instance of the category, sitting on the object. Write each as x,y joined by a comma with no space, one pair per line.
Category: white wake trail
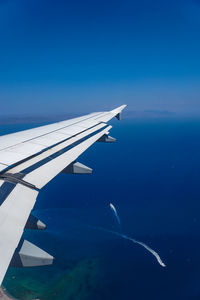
153,252
115,213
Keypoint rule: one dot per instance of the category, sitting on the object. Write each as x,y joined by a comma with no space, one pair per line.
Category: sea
152,177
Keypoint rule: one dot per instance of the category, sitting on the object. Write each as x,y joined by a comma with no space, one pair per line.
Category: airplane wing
28,161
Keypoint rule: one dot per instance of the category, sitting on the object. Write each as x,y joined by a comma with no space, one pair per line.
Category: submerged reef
79,282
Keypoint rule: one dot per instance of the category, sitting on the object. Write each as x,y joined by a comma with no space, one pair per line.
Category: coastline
3,295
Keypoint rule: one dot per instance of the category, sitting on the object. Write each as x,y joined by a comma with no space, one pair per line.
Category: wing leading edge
30,159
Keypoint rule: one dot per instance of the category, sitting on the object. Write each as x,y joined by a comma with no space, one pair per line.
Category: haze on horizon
83,56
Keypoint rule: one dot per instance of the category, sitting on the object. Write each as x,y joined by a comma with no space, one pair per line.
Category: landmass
3,295
79,281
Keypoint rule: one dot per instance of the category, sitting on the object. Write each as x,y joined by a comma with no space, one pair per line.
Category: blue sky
82,56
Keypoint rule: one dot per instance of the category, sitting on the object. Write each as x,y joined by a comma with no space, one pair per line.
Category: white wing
29,160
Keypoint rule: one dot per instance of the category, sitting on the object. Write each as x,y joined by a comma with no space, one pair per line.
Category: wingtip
117,111
122,106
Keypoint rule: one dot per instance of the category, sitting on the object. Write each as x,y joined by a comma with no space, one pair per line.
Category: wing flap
52,151
42,175
19,152
14,213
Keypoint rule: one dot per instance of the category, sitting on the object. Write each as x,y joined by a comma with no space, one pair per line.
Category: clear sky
82,56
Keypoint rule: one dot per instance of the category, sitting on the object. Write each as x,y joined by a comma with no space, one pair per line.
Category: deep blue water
152,176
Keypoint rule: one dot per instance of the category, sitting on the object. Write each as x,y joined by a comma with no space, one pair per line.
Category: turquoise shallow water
152,177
